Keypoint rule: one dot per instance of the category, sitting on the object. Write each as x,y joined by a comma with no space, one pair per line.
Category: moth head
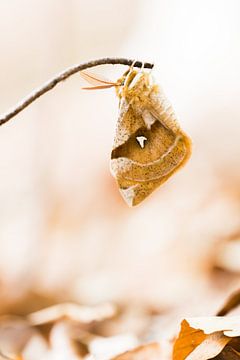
134,83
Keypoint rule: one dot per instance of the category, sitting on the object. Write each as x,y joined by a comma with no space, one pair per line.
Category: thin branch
63,76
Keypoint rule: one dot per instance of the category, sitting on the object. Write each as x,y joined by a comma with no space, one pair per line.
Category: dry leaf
230,326
62,345
187,341
149,145
204,338
232,302
228,353
81,314
103,348
144,352
15,333
36,348
210,347
227,256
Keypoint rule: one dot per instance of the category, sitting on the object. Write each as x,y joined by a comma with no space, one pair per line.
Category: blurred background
65,232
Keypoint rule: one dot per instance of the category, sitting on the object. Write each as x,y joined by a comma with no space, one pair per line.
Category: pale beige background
63,224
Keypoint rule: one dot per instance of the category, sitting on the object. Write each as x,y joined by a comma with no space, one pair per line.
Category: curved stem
63,76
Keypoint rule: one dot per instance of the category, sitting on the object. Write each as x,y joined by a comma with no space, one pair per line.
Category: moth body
149,145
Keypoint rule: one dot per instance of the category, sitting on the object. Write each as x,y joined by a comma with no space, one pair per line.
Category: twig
63,76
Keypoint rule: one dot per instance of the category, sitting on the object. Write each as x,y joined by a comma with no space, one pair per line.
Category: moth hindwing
149,145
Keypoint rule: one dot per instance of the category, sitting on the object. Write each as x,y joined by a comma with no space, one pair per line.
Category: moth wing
149,145
141,169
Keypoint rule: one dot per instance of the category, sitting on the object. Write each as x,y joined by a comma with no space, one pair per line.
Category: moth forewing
144,113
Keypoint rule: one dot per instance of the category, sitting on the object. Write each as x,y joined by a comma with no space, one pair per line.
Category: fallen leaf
210,347
232,302
62,345
227,255
144,352
229,325
188,339
103,348
15,333
205,337
228,353
82,314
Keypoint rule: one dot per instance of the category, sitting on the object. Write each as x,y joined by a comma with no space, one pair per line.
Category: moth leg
130,71
132,65
142,68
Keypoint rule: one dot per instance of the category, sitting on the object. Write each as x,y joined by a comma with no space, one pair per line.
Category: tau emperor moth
149,145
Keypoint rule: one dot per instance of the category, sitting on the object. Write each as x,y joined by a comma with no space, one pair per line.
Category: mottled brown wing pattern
149,145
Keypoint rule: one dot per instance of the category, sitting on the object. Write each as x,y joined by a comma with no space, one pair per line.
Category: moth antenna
99,87
94,79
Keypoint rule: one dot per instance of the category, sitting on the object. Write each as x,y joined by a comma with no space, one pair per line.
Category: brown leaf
188,339
144,352
206,337
81,314
228,353
210,347
15,332
109,347
62,345
232,302
230,326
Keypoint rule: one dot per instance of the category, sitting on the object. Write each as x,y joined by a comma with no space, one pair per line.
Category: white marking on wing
141,140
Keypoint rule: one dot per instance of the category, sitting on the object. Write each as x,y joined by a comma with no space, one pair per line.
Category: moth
149,145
